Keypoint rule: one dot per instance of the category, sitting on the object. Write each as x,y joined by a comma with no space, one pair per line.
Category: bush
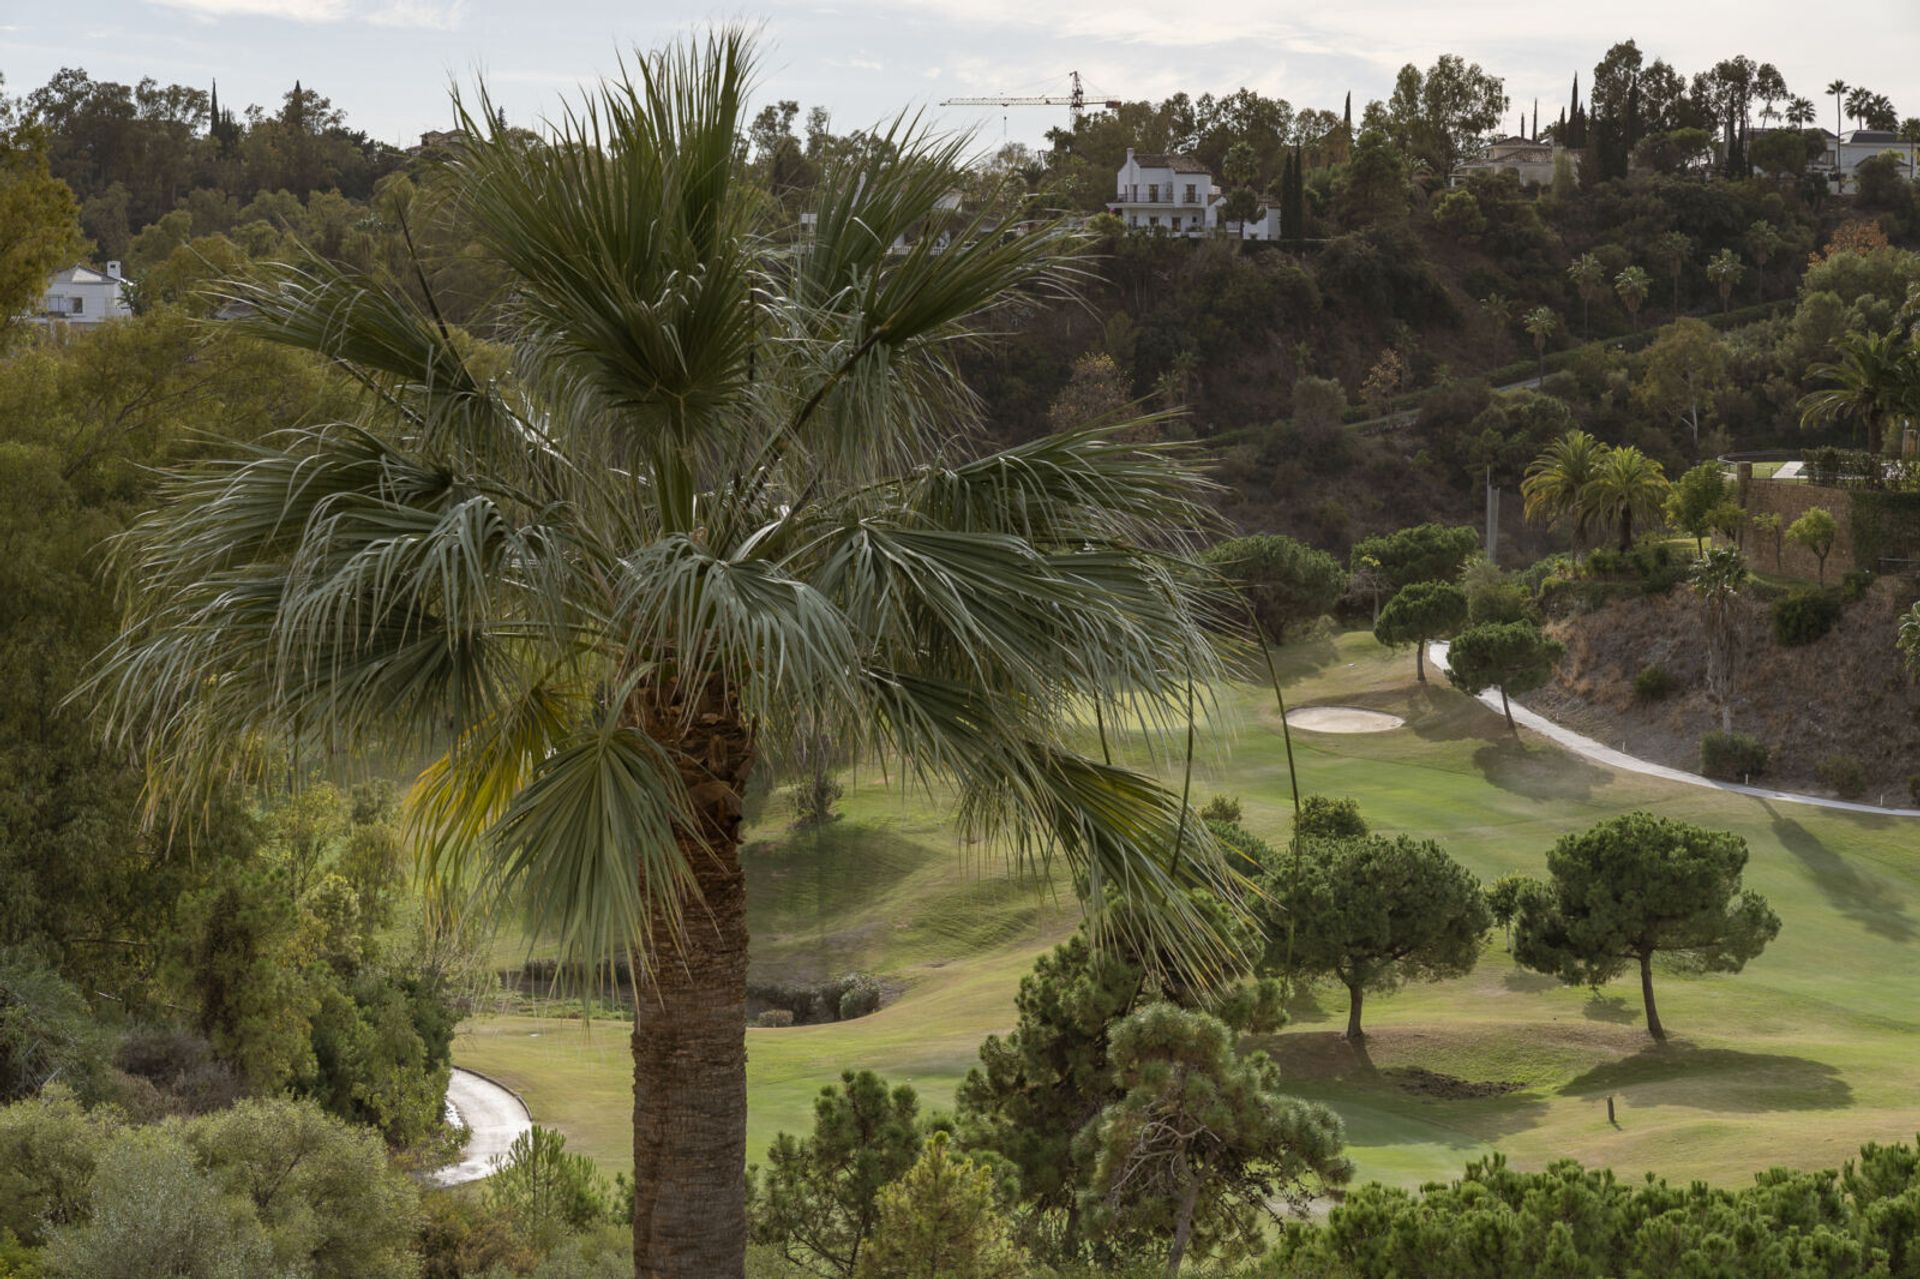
1330,817
1843,774
1221,808
181,1066
1803,616
546,1191
859,995
1913,789
1732,757
1654,683
774,1019
1855,585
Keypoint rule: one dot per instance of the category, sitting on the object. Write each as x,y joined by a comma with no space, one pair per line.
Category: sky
388,63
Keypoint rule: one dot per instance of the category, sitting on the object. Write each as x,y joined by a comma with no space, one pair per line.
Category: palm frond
588,846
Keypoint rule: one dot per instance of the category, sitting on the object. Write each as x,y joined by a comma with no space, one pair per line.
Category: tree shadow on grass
1306,1006
1859,897
1613,1008
1436,712
1523,981
1327,1065
1720,1079
1538,772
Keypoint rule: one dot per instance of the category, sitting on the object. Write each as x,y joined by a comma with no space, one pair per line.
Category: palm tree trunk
689,1031
1654,1027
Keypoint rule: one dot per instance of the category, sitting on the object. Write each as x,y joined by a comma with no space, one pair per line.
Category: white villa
1529,160
81,295
1844,154
1176,195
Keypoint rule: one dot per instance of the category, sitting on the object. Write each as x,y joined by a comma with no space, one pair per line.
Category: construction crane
1075,102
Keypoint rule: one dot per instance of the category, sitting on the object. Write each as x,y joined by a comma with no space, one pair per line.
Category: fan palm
1556,483
1874,384
1839,90
724,498
1627,487
1716,579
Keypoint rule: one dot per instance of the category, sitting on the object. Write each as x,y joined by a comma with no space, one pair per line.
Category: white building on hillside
84,296
1845,153
1176,195
1531,161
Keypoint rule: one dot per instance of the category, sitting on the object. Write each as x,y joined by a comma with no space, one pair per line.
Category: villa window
78,307
1190,193
1153,193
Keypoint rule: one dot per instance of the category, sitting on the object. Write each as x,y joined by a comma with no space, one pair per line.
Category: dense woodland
183,993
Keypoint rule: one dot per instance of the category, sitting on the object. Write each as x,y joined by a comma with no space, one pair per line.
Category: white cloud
435,15
292,10
865,64
931,73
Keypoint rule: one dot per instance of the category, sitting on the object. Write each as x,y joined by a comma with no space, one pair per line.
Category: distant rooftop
1178,163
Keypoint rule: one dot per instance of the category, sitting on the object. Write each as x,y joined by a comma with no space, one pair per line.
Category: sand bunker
1342,719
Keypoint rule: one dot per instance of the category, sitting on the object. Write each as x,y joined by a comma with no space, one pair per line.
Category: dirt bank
1845,694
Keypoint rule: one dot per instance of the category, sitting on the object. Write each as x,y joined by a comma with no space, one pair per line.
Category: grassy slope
1796,1061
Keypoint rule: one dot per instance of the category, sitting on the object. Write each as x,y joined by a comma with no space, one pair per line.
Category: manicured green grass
1814,1049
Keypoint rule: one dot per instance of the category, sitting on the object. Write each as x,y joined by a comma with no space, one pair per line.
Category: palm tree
1838,89
1627,486
1541,323
1672,248
1800,112
1859,102
1874,384
719,502
1716,580
1589,278
1724,270
1762,241
1498,308
1632,285
1557,484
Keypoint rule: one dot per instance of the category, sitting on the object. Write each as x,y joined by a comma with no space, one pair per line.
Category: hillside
1842,695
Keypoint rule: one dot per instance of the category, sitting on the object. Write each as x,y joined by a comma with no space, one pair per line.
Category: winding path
492,1114
1603,754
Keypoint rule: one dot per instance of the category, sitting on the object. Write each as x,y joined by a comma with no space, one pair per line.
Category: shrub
1654,683
943,1216
774,1019
1803,616
1913,789
1732,757
1329,817
1855,585
546,1191
859,995
1843,774
1222,808
815,1203
182,1068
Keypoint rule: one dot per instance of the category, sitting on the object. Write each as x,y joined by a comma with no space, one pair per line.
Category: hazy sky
388,62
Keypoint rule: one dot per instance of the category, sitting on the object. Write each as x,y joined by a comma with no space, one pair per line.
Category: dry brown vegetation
1844,694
